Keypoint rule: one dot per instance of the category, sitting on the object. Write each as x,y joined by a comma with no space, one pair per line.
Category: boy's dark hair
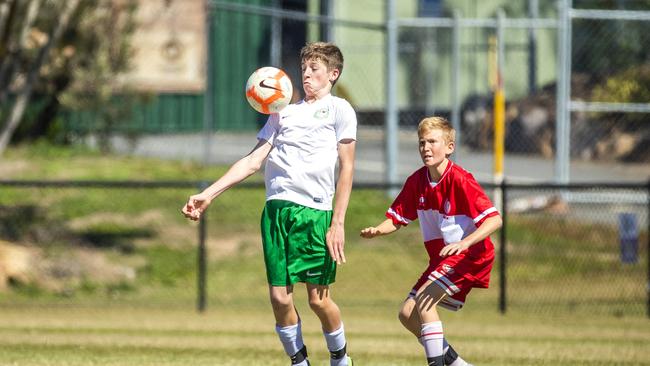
326,52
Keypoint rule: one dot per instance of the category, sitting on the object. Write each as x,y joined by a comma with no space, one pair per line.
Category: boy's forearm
387,227
490,225
342,197
344,184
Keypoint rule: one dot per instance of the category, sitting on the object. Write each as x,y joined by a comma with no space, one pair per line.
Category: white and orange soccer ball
269,90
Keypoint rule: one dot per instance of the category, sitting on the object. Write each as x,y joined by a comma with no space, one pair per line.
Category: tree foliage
59,51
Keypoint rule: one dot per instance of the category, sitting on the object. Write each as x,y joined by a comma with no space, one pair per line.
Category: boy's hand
369,232
195,206
335,242
453,249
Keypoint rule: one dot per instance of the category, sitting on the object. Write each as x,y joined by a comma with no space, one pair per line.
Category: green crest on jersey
322,113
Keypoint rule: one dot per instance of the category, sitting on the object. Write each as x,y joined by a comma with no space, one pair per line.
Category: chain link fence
570,249
447,63
610,86
577,249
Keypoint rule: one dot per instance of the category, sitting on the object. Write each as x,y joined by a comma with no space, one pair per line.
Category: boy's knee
280,301
406,311
317,304
404,315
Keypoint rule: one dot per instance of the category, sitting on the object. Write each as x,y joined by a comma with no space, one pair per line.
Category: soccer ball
268,90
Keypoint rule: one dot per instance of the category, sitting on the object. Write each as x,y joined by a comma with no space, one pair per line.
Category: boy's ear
451,147
334,74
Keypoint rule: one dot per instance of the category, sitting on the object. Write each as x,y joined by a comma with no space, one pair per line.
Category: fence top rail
609,14
199,184
294,15
100,184
478,22
580,106
427,22
571,186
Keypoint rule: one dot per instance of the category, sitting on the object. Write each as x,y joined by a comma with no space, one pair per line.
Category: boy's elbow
256,166
498,222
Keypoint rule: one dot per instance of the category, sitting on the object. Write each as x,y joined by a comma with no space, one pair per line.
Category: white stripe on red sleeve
484,213
398,217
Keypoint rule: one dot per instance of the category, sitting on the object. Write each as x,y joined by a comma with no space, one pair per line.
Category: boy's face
316,79
433,147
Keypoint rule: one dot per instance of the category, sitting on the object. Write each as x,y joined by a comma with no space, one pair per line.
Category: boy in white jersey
303,235
456,220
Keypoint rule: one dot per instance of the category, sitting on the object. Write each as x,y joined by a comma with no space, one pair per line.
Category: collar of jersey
318,101
447,169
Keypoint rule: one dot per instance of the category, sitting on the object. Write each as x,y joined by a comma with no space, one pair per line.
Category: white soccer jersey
300,167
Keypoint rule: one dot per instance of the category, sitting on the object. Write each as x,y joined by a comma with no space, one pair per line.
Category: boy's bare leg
426,300
330,317
282,302
432,337
324,307
288,325
410,318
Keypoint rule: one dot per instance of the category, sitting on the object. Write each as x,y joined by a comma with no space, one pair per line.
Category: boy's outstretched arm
490,225
384,228
336,233
239,171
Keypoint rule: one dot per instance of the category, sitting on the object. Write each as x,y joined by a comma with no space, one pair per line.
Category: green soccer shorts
295,249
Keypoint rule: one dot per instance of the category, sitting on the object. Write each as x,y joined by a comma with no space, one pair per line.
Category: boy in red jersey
456,219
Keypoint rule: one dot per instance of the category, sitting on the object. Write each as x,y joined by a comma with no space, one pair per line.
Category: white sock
432,339
291,338
335,342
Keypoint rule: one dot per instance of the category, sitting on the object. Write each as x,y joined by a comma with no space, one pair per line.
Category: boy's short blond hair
326,52
437,123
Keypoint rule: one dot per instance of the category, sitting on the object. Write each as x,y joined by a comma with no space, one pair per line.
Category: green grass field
560,309
35,335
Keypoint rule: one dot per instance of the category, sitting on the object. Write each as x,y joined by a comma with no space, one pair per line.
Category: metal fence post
202,261
647,219
563,94
208,96
502,247
392,111
455,86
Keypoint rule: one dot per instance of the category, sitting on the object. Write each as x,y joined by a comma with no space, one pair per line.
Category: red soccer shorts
457,275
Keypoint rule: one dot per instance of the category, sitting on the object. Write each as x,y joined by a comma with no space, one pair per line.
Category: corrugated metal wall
240,45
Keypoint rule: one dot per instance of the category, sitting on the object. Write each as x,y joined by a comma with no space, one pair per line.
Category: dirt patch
152,217
173,236
17,264
245,245
11,168
28,265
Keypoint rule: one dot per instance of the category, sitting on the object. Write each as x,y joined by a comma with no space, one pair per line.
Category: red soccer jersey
449,210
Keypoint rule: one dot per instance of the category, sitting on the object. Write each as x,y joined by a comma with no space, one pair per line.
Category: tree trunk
5,8
15,49
24,95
